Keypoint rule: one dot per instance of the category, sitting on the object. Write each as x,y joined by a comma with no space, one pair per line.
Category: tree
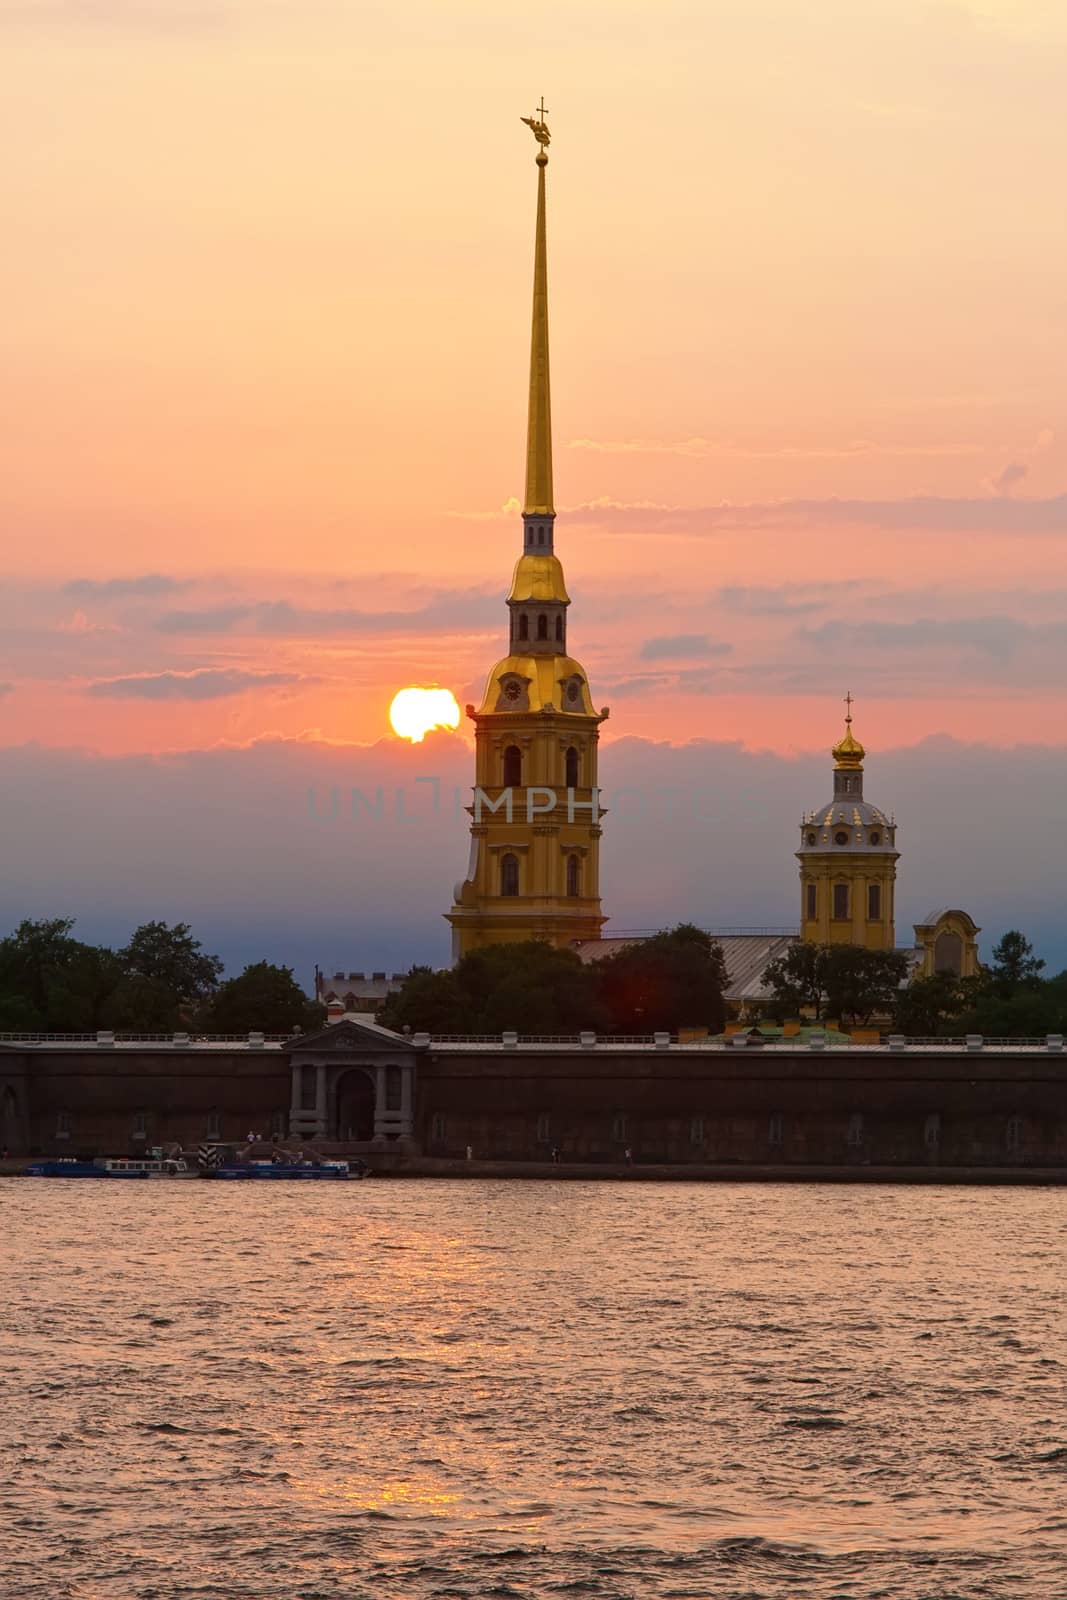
861,983
426,1002
1014,965
796,982
846,981
264,997
674,980
530,987
165,973
52,982
928,1006
1036,1008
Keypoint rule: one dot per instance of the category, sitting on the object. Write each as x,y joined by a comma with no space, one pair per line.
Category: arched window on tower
512,767
509,874
559,630
542,626
540,535
874,902
812,909
524,626
573,879
571,763
840,902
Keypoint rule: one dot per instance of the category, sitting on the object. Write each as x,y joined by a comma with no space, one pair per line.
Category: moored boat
69,1167
331,1170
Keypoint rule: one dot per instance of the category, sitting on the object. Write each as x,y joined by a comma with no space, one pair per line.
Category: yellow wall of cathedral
836,899
535,839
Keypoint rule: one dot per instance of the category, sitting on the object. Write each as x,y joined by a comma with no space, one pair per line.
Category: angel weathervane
537,124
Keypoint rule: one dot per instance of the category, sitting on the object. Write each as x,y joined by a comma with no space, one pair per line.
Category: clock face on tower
573,691
512,690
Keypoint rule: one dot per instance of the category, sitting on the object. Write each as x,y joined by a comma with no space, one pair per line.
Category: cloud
206,683
784,599
626,688
149,583
998,637
79,623
451,613
700,448
509,510
678,646
1009,477
915,513
705,830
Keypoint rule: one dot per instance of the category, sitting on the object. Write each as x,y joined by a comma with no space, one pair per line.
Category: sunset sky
266,283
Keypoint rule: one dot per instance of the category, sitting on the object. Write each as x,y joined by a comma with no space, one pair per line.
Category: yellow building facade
848,861
534,869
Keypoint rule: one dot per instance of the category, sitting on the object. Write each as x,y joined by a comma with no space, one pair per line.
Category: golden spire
538,502
849,753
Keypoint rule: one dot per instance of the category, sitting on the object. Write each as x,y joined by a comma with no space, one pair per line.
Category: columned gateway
534,868
354,1082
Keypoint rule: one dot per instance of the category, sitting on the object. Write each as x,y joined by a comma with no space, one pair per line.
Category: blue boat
64,1167
332,1170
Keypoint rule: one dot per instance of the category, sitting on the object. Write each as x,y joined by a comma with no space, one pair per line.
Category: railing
814,1041
105,1036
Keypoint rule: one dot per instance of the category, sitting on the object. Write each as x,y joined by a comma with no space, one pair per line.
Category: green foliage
264,997
795,983
428,1002
932,1006
52,982
173,959
845,981
674,980
529,987
1034,1008
862,984
1014,966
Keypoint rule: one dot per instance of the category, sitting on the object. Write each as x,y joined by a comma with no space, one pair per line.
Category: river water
538,1389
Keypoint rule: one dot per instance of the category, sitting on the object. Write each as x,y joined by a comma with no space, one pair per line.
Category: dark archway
509,874
948,952
354,1105
512,767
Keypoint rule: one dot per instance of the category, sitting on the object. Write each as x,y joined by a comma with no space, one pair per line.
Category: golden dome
545,683
539,578
848,753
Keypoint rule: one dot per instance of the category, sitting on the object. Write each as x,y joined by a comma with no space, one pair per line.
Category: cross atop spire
539,128
849,752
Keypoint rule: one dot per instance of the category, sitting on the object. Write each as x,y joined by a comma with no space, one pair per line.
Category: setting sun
415,711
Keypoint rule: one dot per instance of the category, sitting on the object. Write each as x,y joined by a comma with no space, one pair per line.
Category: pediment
352,1038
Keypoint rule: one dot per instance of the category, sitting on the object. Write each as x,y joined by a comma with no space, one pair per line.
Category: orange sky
267,275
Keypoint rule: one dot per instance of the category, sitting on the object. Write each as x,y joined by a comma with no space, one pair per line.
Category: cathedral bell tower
534,868
848,860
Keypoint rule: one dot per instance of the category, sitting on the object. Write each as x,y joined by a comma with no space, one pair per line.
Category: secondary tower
848,860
